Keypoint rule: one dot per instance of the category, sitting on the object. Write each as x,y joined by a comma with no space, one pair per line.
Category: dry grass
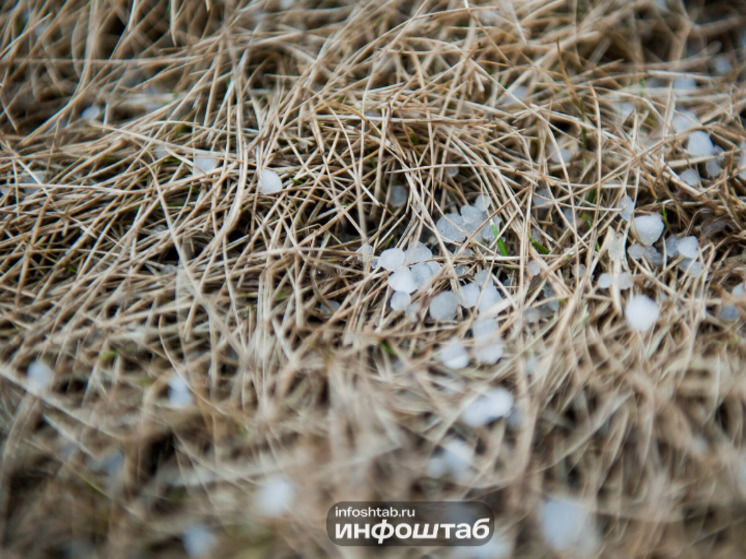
125,266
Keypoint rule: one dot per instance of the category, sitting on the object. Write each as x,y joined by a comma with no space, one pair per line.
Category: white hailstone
568,526
39,375
641,313
688,247
672,246
424,272
269,182
400,301
198,541
392,259
684,83
399,196
691,267
722,65
625,281
482,203
460,270
533,268
455,459
561,155
275,496
417,253
637,252
454,354
627,208
365,253
494,404
412,310
203,165
605,280
616,248
729,313
691,177
452,171
402,280
684,121
739,290
488,231
532,315
444,306
624,110
468,295
450,228
485,329
648,228
473,218
91,113
327,309
742,162
179,395
713,166
489,352
483,277
542,199
578,271
489,298
700,144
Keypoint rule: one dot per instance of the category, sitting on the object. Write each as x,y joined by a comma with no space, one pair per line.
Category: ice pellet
494,404
269,182
391,259
648,228
402,280
454,355
641,313
688,247
444,306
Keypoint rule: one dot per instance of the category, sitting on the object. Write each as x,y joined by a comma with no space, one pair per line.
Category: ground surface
225,365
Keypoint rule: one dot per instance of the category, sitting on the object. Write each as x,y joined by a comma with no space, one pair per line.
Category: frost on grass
641,313
569,527
269,182
492,405
275,497
648,228
39,376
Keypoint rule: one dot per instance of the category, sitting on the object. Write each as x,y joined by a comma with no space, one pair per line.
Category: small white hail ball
391,259
641,313
402,280
649,228
688,247
454,355
269,182
444,306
